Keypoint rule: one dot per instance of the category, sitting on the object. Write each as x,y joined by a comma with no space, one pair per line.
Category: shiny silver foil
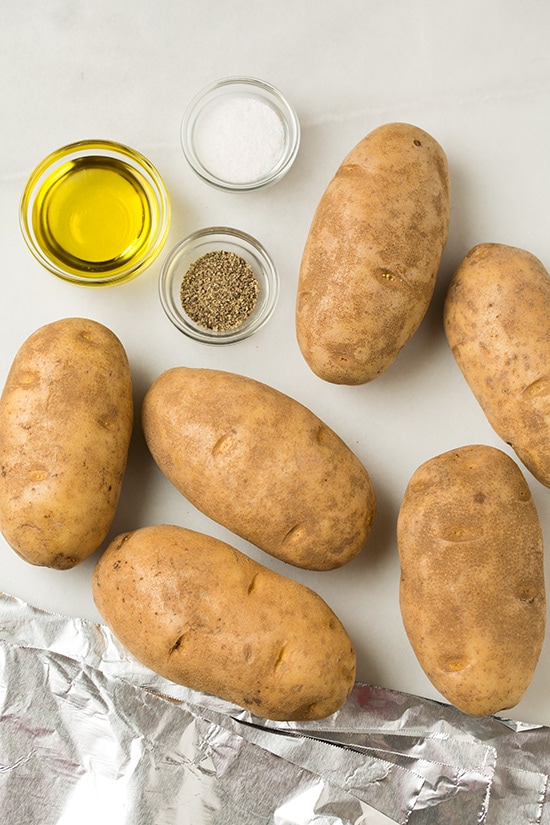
88,735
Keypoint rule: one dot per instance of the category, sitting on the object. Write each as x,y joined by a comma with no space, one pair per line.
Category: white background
473,73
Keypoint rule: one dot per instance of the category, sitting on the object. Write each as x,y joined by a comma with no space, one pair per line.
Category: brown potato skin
66,415
472,588
496,321
372,254
202,614
261,464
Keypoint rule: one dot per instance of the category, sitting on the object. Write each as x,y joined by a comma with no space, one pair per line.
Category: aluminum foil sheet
88,735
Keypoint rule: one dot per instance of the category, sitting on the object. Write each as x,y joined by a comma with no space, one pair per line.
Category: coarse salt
239,139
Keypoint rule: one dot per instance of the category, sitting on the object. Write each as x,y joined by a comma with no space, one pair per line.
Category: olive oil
95,213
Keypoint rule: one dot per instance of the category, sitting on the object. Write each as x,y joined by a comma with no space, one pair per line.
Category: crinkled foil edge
89,734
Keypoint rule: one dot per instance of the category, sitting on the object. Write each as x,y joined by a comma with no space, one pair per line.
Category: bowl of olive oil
95,212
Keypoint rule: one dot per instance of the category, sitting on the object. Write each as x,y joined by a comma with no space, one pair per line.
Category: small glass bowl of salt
240,134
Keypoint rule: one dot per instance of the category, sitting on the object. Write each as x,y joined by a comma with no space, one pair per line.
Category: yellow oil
95,215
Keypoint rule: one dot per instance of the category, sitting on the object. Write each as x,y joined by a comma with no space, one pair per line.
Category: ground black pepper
219,290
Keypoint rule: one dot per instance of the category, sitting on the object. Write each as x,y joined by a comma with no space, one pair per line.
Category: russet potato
472,580
372,255
66,415
496,320
202,614
261,464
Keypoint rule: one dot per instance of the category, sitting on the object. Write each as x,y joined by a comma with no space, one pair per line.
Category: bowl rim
90,148
239,239
284,107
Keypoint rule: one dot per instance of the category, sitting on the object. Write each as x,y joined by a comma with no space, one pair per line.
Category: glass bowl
214,242
95,212
240,134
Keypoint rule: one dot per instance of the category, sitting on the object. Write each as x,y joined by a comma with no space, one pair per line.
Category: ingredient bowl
240,134
219,277
95,213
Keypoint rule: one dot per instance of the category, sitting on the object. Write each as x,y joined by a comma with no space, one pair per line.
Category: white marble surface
474,74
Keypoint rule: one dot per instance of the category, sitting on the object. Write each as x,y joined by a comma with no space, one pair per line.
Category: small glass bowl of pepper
219,285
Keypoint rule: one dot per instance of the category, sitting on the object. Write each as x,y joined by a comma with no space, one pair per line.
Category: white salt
239,139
